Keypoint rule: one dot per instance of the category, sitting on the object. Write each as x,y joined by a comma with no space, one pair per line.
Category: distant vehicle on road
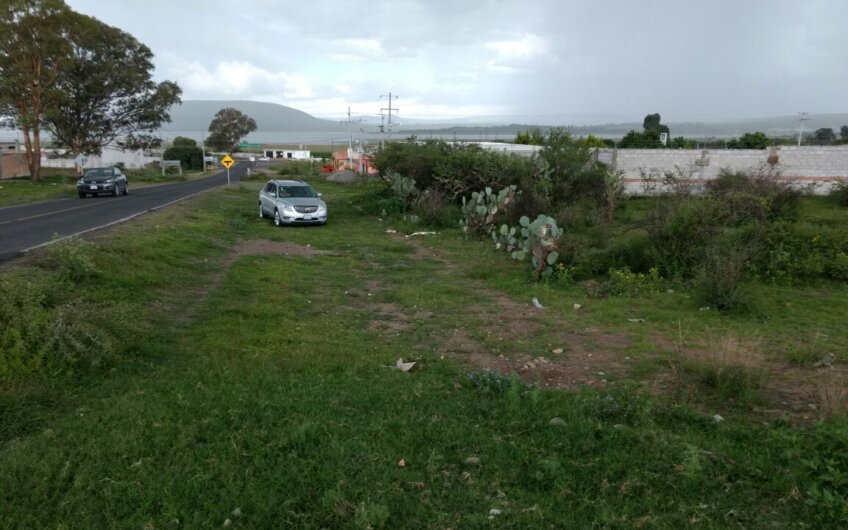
292,202
99,180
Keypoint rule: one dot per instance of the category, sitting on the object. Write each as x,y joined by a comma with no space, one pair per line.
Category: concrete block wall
814,166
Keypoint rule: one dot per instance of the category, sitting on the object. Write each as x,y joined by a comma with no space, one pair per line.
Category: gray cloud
572,61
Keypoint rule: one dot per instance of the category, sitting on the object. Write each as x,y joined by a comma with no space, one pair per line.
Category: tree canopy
85,82
652,123
754,140
227,129
532,136
105,91
34,47
824,136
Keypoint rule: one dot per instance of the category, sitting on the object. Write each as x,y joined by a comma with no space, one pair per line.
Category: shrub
72,259
624,282
435,209
470,167
721,275
801,252
679,230
839,192
190,157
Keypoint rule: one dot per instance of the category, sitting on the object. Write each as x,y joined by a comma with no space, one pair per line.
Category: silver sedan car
291,202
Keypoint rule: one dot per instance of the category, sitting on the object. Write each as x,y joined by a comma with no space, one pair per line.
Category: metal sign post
228,162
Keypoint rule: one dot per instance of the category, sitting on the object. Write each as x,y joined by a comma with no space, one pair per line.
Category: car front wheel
82,194
261,211
278,221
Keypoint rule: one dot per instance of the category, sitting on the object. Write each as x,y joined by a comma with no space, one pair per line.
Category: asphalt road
25,227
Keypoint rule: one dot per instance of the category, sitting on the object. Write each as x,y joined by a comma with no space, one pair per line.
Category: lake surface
287,138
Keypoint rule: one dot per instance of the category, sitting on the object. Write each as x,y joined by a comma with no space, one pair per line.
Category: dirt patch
265,247
343,176
393,320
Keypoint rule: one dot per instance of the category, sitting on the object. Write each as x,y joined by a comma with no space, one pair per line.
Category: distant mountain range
195,115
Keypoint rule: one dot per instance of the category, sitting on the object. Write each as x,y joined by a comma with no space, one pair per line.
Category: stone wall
814,166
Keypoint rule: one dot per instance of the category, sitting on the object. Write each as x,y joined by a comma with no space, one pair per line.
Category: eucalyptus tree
227,129
106,90
34,49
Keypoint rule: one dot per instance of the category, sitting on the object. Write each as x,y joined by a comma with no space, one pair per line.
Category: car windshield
99,172
296,191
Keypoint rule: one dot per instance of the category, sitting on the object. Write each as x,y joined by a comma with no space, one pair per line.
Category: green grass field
215,371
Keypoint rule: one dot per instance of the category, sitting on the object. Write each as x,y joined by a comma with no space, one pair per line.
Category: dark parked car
99,180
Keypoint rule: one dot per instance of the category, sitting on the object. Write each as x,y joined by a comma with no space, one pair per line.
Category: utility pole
349,123
390,109
802,117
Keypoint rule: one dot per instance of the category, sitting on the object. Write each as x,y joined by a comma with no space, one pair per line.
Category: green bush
622,282
721,275
839,192
190,157
679,230
71,259
801,252
435,209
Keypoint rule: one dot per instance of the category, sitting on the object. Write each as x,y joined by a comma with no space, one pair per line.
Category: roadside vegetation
24,190
244,376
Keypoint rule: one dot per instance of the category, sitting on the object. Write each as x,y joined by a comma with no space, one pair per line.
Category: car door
267,197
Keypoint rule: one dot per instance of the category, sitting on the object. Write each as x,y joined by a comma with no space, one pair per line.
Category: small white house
288,154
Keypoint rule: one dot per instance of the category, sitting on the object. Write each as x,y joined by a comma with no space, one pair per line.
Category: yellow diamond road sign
227,161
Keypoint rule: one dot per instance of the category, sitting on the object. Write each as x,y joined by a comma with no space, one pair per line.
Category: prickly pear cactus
484,207
537,239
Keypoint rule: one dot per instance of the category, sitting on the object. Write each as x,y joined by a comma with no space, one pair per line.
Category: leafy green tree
645,140
532,136
593,141
34,50
652,123
190,156
227,129
106,90
754,140
824,136
183,141
144,142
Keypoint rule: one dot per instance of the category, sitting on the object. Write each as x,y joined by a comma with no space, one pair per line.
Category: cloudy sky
544,61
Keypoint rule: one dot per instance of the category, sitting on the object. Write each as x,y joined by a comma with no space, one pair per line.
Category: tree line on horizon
653,128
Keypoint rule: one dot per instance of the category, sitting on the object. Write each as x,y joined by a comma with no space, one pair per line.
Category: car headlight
110,181
287,207
80,181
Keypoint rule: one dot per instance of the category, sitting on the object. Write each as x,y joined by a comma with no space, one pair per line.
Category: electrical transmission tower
802,117
349,124
390,97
